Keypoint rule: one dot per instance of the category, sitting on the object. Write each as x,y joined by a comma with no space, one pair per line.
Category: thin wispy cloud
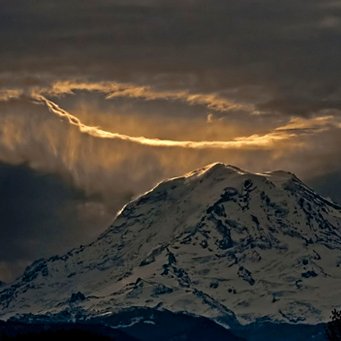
115,90
8,94
253,141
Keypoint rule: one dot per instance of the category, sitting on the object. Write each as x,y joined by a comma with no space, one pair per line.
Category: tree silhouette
333,328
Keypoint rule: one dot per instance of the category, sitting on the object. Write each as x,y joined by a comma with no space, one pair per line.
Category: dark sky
259,79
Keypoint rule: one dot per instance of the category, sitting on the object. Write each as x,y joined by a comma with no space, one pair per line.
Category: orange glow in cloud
7,94
248,142
114,89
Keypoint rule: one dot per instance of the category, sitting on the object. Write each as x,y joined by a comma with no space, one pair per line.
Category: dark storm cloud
328,185
289,49
41,215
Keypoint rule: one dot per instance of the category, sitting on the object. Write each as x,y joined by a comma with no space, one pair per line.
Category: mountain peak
216,168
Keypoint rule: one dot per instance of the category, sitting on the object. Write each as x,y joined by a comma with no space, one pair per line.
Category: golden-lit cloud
314,124
58,141
252,141
115,89
8,94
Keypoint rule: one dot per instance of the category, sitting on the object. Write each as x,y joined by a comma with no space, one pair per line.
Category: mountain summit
218,242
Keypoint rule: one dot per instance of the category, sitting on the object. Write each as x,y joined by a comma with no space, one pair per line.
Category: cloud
311,125
8,94
41,215
188,44
253,141
116,89
328,184
330,22
51,139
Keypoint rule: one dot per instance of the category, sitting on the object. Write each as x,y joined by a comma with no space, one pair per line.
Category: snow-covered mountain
218,242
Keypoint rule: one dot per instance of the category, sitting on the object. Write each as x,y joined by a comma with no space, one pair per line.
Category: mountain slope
218,242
